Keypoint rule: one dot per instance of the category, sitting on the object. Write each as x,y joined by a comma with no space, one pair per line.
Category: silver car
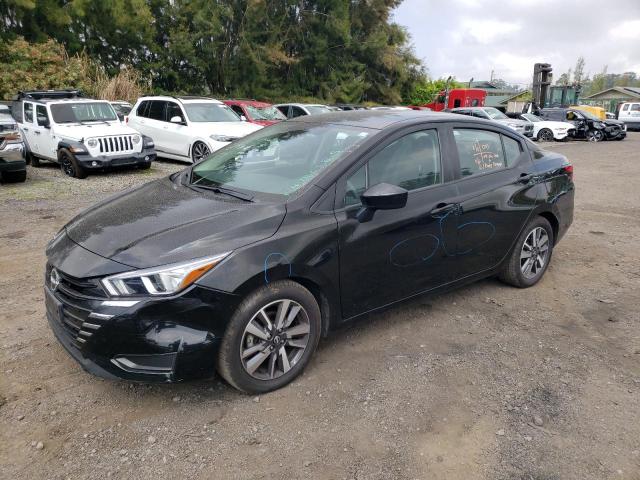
12,160
491,113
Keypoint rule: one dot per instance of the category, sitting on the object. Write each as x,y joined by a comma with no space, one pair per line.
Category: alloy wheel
546,135
200,151
534,253
275,339
67,166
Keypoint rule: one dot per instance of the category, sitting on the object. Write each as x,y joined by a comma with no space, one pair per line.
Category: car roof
63,100
252,103
183,99
301,105
381,119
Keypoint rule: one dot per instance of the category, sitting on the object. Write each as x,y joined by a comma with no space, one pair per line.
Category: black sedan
242,262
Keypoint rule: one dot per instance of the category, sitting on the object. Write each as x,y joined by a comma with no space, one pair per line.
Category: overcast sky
469,38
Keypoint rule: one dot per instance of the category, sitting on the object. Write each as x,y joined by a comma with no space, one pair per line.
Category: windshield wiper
224,190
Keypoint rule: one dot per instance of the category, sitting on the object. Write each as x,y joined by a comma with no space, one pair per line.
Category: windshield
280,159
495,114
531,117
316,109
210,112
82,112
265,113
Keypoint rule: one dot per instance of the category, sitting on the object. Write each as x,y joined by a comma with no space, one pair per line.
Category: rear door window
479,151
512,150
156,110
28,112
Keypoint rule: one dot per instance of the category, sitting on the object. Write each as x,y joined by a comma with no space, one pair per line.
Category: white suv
187,128
79,133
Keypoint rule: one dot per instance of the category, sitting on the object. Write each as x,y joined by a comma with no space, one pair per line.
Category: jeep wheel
545,135
199,151
32,159
595,136
70,166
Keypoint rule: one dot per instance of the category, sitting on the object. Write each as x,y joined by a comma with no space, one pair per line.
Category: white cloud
470,38
629,29
485,31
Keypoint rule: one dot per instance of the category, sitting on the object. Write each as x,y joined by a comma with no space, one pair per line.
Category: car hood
611,123
164,222
78,132
513,121
231,129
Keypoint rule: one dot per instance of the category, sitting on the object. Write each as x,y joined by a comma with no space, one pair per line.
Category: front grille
119,144
77,287
77,324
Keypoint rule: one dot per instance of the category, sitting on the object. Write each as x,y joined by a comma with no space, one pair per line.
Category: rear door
496,194
28,126
397,253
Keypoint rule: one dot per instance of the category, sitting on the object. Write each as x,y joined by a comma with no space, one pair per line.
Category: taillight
568,169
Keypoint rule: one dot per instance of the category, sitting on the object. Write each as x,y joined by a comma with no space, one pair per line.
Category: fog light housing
94,164
146,158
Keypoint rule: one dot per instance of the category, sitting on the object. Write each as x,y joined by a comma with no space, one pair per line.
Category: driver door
397,253
176,137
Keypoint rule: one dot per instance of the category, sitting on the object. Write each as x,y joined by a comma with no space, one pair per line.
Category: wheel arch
553,220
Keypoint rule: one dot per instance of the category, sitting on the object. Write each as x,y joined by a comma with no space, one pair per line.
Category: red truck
458,97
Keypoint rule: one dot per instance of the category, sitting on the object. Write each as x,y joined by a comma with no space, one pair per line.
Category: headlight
222,138
92,143
135,139
13,137
165,280
600,125
515,126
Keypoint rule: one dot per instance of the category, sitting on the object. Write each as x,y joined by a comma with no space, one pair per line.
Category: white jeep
80,134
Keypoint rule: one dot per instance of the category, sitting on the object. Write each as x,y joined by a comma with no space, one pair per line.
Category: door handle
526,177
37,132
26,129
443,208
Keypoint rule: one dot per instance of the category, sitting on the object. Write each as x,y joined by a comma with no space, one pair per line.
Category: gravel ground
487,382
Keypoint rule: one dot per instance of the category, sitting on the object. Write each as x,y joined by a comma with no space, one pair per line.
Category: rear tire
250,356
530,256
70,166
14,177
33,160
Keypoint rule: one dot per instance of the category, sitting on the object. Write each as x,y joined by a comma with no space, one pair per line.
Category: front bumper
12,157
152,340
98,162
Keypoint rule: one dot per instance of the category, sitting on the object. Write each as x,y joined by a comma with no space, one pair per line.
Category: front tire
545,135
270,338
199,151
70,166
530,256
595,136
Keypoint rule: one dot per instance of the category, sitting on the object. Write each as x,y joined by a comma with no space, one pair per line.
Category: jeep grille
117,144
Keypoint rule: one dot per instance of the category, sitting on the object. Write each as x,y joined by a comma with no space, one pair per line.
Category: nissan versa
241,262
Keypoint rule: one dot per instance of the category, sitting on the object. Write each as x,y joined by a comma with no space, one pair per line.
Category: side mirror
243,118
176,119
382,196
